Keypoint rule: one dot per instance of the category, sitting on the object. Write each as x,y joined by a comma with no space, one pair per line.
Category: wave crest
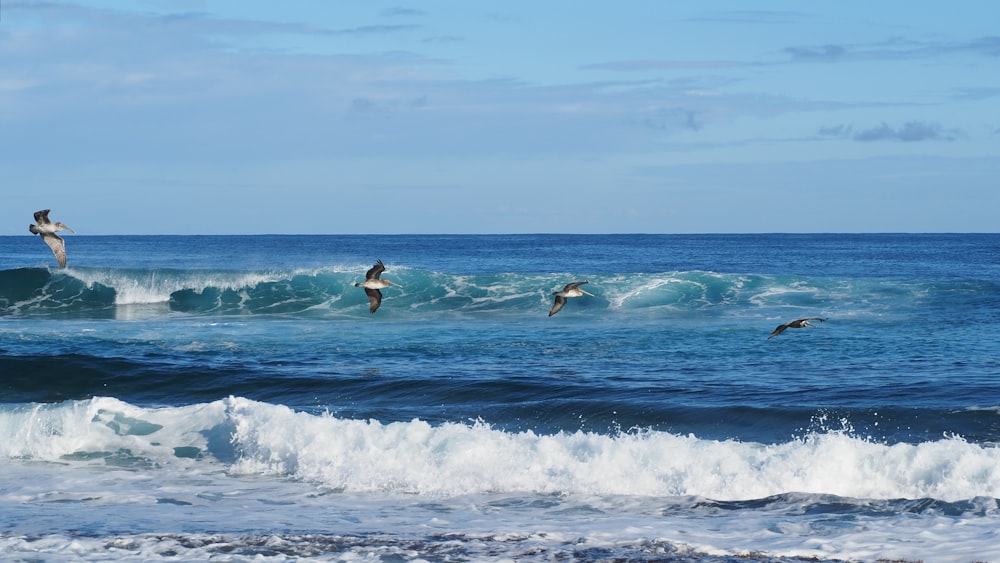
450,459
331,292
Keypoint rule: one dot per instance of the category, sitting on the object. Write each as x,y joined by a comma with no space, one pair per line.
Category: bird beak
69,229
391,282
585,293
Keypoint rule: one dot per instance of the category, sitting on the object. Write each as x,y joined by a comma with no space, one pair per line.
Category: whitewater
232,399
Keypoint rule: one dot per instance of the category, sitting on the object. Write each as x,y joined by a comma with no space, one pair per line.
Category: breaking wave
331,292
415,457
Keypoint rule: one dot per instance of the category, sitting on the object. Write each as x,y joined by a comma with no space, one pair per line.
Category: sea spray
473,458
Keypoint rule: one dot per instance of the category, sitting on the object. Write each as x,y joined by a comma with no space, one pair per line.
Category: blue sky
322,116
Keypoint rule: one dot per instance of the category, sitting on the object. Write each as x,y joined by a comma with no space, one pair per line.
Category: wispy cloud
835,131
989,46
400,11
892,48
752,17
674,119
189,22
180,84
371,29
911,131
976,93
824,53
650,64
506,17
895,48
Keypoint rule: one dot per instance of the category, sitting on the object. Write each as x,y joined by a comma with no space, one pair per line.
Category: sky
405,117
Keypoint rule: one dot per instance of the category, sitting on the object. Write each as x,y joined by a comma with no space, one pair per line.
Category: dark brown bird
373,283
571,290
47,230
797,323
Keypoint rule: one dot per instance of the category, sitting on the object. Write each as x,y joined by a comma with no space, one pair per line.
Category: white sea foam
48,432
457,459
133,287
415,457
237,465
643,291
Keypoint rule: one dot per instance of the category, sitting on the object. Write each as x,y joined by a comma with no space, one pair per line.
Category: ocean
231,398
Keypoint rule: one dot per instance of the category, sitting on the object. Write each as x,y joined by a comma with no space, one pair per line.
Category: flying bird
47,230
797,323
373,283
571,290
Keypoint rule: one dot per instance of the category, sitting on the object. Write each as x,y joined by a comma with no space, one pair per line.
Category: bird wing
560,301
374,299
781,328
58,246
573,285
375,271
42,216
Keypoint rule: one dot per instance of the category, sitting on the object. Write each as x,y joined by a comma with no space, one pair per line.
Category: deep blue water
656,413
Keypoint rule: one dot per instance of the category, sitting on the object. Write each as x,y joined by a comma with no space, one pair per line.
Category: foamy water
205,461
